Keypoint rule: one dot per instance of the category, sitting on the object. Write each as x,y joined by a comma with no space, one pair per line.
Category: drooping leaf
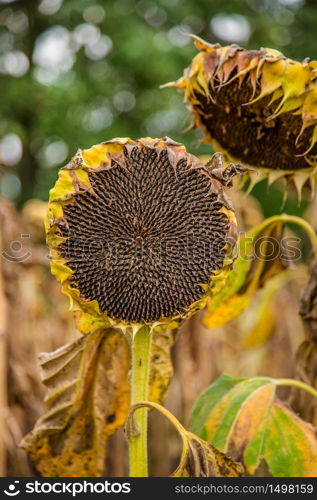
244,419
261,319
161,369
306,355
87,400
88,397
259,259
204,460
198,458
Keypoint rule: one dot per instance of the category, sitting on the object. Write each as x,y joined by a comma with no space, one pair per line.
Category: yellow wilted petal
97,156
310,107
64,188
60,270
271,77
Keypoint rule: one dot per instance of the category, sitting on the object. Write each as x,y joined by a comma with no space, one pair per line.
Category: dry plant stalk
34,304
3,360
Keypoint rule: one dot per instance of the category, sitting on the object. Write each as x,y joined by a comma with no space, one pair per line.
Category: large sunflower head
140,231
258,107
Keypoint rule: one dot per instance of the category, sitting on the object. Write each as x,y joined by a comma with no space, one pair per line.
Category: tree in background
79,72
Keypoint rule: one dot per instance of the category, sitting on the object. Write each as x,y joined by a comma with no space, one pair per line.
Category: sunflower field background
74,73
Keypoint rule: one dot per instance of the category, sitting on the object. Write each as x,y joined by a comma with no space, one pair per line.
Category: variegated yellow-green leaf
259,258
244,419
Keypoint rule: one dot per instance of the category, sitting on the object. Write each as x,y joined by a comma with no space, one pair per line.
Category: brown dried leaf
88,396
87,400
308,309
204,460
306,355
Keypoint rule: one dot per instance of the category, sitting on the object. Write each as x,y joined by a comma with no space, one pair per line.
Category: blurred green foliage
76,72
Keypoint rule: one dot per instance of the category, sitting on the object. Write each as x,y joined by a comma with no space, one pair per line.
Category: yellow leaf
87,400
161,369
256,263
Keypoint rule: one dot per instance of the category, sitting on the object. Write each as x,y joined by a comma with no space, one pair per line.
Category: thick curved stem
293,219
297,383
141,357
143,405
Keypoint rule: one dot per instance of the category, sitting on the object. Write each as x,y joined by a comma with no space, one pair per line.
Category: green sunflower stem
299,221
173,420
297,383
141,357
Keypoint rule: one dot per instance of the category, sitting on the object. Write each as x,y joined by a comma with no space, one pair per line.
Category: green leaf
244,419
207,400
204,460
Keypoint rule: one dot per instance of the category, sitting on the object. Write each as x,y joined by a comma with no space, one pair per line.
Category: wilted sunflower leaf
204,460
306,355
261,318
87,399
259,259
198,458
161,369
245,420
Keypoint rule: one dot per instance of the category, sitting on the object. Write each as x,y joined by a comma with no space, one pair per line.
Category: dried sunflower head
140,232
258,107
